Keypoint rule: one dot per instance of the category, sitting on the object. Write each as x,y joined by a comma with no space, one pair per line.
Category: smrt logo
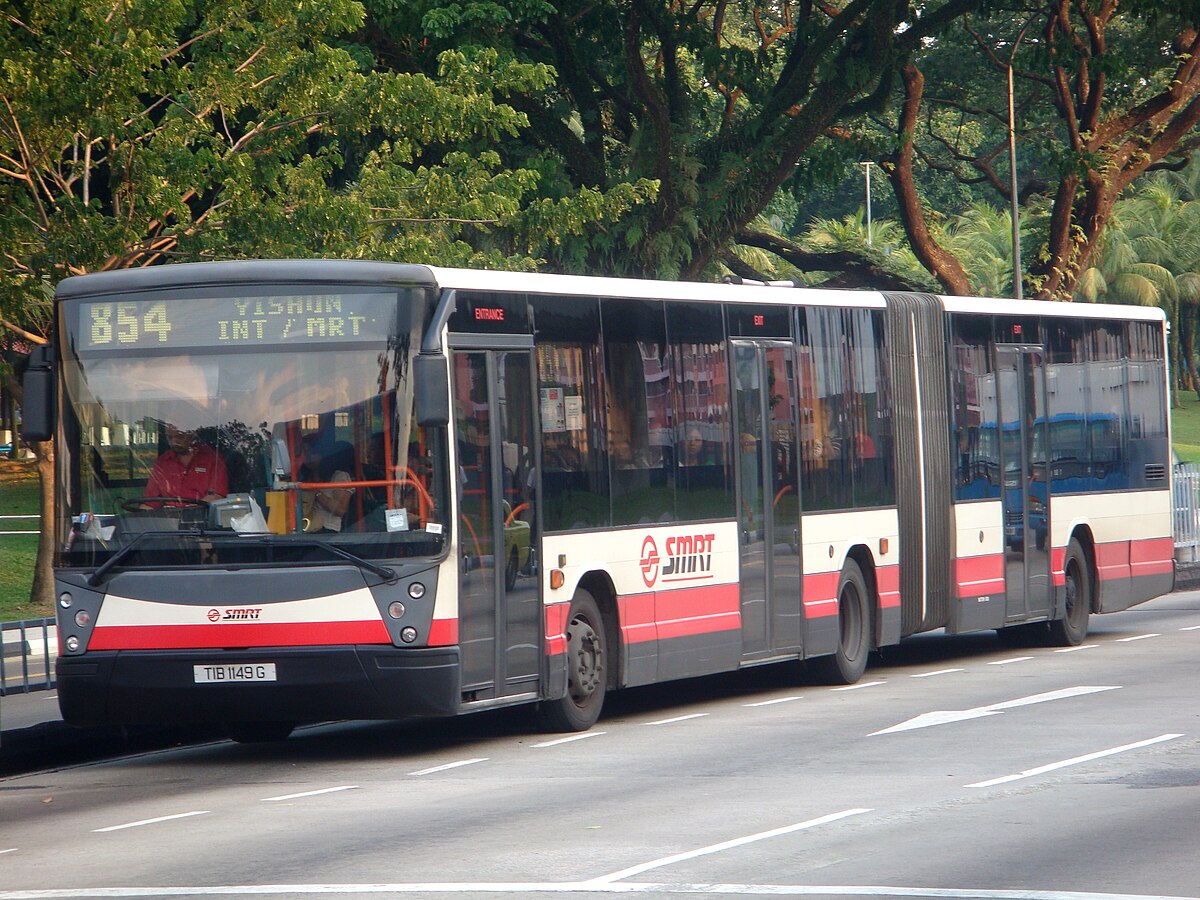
650,561
235,614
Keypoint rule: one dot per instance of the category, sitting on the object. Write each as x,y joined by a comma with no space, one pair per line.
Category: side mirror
432,394
37,406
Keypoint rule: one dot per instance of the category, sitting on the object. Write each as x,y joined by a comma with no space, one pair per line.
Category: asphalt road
956,768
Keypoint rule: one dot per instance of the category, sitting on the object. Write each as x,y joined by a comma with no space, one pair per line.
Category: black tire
258,732
1072,628
587,670
847,664
510,571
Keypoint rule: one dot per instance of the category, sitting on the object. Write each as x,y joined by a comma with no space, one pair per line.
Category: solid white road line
199,812
571,739
859,686
773,702
557,887
948,716
724,845
331,790
938,672
672,721
453,765
1076,760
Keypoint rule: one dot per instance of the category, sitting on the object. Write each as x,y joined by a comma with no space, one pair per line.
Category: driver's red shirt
205,473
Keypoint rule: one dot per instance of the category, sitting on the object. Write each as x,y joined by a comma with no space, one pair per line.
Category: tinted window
640,439
700,380
974,413
826,410
571,400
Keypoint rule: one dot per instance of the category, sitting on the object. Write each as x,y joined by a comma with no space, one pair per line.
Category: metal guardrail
27,651
1187,512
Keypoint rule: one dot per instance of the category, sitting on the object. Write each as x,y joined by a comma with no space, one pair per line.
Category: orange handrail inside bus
512,515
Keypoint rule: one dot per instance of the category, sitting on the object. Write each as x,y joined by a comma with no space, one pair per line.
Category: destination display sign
234,321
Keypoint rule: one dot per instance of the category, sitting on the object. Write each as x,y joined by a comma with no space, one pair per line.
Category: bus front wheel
849,662
587,670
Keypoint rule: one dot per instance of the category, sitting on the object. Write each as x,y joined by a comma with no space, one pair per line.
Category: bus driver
188,469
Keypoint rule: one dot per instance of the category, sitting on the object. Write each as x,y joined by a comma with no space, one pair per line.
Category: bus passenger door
768,500
500,618
1026,497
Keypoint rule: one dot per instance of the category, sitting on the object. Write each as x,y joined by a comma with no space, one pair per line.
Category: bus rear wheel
587,670
849,662
1072,628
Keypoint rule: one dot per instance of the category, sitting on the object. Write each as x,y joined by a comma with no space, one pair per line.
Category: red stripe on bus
556,628
1154,556
888,580
979,576
636,614
443,633
820,595
697,610
261,634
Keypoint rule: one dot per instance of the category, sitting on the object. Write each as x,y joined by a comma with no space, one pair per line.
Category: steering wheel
136,504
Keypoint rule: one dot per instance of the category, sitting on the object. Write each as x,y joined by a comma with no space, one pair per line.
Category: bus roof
342,271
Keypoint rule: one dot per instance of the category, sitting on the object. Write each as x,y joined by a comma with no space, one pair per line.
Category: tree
717,102
1108,90
137,132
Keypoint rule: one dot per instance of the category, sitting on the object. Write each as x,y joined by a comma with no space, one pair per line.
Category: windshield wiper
385,573
96,577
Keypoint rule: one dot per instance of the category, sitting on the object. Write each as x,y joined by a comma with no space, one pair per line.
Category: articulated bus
300,491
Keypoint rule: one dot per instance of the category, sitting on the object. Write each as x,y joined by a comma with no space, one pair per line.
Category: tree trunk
41,594
942,265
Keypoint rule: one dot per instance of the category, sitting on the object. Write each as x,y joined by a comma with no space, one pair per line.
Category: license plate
228,672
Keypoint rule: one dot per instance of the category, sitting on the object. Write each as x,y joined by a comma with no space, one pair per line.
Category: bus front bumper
136,687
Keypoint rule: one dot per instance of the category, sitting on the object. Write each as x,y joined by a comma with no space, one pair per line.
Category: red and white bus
405,490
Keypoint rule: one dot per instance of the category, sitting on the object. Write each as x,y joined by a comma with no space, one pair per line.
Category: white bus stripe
199,812
1076,760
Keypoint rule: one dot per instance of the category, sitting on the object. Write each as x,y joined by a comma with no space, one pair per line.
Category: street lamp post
867,167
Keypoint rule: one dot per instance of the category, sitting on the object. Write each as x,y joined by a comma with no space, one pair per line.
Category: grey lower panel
130,687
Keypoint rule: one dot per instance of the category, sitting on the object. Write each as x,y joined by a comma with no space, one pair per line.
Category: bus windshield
271,425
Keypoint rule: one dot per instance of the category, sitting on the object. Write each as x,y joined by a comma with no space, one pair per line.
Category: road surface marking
773,702
724,845
199,812
1005,662
1074,761
1191,628
938,672
568,740
9,850
859,686
572,887
453,765
1136,637
948,716
678,719
1080,647
344,787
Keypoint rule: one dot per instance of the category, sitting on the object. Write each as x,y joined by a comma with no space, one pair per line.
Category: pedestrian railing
27,651
1187,512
